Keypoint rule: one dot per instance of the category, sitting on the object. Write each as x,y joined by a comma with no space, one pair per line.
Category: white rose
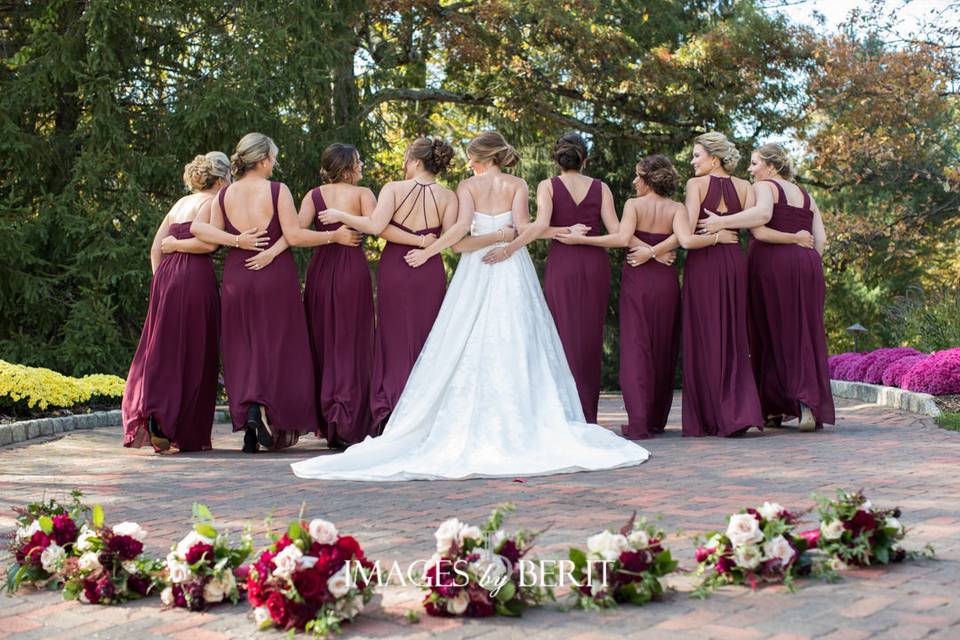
131,529
213,591
349,607
52,558
867,505
130,566
469,532
89,562
458,604
189,540
770,510
748,556
837,564
323,531
893,523
780,549
286,561
497,537
83,542
831,530
607,545
639,539
340,583
743,529
227,582
25,533
262,617
179,571
489,569
446,534
166,597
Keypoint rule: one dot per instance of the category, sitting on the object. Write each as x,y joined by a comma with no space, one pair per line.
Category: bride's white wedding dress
491,394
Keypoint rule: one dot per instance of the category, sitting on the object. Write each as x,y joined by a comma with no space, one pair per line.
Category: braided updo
720,147
203,171
434,153
570,152
659,174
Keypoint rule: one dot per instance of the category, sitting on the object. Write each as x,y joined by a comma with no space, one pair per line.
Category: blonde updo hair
251,149
434,153
776,157
202,172
718,146
490,146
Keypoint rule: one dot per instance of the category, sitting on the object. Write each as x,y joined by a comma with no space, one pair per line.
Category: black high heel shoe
159,441
256,428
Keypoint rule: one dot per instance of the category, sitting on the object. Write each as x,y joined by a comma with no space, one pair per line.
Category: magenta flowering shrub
858,370
938,375
894,373
844,363
873,374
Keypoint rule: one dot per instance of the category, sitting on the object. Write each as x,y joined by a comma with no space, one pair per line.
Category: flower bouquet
45,536
621,567
106,564
200,568
479,573
311,578
758,546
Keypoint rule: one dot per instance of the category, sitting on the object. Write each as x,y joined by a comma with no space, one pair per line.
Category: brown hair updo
659,174
490,146
434,153
203,171
776,156
337,162
570,152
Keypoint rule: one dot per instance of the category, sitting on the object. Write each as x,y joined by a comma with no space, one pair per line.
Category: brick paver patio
898,458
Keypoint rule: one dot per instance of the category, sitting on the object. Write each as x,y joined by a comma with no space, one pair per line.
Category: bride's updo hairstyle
338,162
434,153
490,146
776,157
202,172
718,146
251,149
570,152
659,174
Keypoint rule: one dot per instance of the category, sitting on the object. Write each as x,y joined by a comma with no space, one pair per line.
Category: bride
491,394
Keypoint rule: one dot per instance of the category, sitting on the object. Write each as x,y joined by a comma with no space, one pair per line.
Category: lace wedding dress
491,394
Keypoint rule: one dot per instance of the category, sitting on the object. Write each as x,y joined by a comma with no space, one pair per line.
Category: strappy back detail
419,188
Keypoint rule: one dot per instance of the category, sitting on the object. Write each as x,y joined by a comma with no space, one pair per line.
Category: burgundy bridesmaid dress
576,285
266,348
408,301
788,344
339,299
173,376
649,340
719,393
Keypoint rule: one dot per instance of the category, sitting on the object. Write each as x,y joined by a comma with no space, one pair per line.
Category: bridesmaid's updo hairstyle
251,149
659,174
202,172
776,157
337,162
718,146
434,153
490,146
570,152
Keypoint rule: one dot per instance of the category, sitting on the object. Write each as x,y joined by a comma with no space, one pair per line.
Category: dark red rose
755,514
64,530
179,597
277,606
349,548
282,543
634,562
510,551
198,552
126,547
105,588
299,614
654,547
329,561
255,592
264,565
241,573
139,584
195,593
90,591
724,565
702,553
860,522
435,609
310,585
481,605
34,549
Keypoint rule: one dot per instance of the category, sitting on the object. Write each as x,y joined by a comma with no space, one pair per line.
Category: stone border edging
922,403
24,430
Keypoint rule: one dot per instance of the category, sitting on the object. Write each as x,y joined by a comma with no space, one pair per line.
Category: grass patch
949,421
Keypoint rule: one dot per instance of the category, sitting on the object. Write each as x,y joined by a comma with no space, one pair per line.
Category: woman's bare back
655,214
248,203
418,206
493,193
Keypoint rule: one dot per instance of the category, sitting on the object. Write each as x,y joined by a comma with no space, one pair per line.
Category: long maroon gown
788,344
339,299
719,393
649,340
266,348
173,375
576,285
408,301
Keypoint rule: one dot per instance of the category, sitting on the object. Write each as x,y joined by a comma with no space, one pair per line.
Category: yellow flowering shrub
36,388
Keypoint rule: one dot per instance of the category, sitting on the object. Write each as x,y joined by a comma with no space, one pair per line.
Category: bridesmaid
410,212
787,337
649,296
719,393
339,299
266,361
577,277
171,389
